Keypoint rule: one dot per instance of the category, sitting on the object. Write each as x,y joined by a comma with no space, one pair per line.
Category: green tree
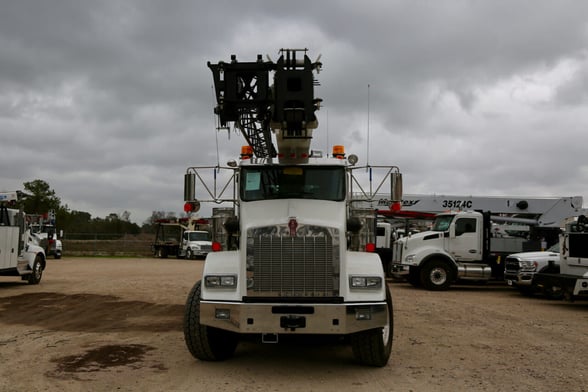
41,198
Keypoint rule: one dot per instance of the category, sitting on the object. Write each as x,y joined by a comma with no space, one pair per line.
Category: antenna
368,125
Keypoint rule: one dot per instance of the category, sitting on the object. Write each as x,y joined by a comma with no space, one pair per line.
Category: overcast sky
110,101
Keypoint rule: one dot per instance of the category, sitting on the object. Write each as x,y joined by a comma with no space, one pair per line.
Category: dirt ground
116,324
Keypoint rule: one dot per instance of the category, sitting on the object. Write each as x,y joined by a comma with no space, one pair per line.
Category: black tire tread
204,342
368,346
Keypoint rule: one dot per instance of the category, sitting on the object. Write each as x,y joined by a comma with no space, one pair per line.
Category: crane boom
245,97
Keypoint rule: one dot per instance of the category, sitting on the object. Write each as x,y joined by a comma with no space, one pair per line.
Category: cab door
465,239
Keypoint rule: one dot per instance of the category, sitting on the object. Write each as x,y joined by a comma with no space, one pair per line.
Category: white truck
520,269
19,254
572,279
180,238
291,256
46,234
195,243
460,246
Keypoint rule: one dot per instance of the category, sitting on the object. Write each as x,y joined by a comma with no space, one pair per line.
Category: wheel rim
386,329
37,270
438,276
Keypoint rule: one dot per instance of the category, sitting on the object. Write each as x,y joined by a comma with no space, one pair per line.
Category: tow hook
292,322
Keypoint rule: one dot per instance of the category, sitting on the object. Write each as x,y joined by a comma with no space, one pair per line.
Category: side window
465,225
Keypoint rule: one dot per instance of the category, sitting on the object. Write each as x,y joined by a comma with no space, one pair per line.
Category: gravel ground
116,324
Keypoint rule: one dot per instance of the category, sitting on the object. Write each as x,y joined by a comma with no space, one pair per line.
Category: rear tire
204,342
373,347
436,275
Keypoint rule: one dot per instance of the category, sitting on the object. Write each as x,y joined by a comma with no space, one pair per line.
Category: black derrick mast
245,97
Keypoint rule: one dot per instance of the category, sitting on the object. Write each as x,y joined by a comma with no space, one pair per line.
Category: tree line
39,199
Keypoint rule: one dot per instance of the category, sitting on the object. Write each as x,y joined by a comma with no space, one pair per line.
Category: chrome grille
512,264
293,266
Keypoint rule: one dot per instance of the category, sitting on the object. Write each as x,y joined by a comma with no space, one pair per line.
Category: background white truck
290,256
19,254
520,269
460,246
46,234
572,279
179,238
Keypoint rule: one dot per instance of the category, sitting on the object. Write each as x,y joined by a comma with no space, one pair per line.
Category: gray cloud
109,102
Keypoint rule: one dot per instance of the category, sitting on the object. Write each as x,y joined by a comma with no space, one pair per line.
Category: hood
535,255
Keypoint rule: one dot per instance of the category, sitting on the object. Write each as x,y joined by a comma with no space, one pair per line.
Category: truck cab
195,243
433,258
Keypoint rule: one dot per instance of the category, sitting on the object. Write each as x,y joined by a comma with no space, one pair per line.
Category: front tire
373,347
37,273
189,254
204,342
436,275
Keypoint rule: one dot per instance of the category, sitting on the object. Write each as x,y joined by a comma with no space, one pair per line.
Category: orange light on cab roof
339,151
246,152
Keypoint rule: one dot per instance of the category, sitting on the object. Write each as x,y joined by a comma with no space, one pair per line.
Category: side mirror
189,187
396,187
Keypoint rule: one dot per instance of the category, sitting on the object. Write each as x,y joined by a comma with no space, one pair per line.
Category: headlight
220,281
365,282
409,259
528,265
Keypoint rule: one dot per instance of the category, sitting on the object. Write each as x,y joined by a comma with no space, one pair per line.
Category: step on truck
291,255
19,254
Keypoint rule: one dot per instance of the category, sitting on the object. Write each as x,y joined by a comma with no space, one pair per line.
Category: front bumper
521,278
293,318
399,269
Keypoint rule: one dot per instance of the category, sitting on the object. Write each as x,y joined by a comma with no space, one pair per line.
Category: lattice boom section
285,266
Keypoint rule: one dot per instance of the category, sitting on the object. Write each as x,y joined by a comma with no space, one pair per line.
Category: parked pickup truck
520,268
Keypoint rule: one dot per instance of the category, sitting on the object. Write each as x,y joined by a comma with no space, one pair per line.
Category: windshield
293,182
195,236
36,228
442,223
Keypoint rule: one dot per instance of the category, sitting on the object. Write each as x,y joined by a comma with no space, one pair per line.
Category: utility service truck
19,254
572,279
180,238
46,234
291,255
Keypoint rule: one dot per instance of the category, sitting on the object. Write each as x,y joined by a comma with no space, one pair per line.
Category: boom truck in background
182,238
291,256
46,234
19,253
471,245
